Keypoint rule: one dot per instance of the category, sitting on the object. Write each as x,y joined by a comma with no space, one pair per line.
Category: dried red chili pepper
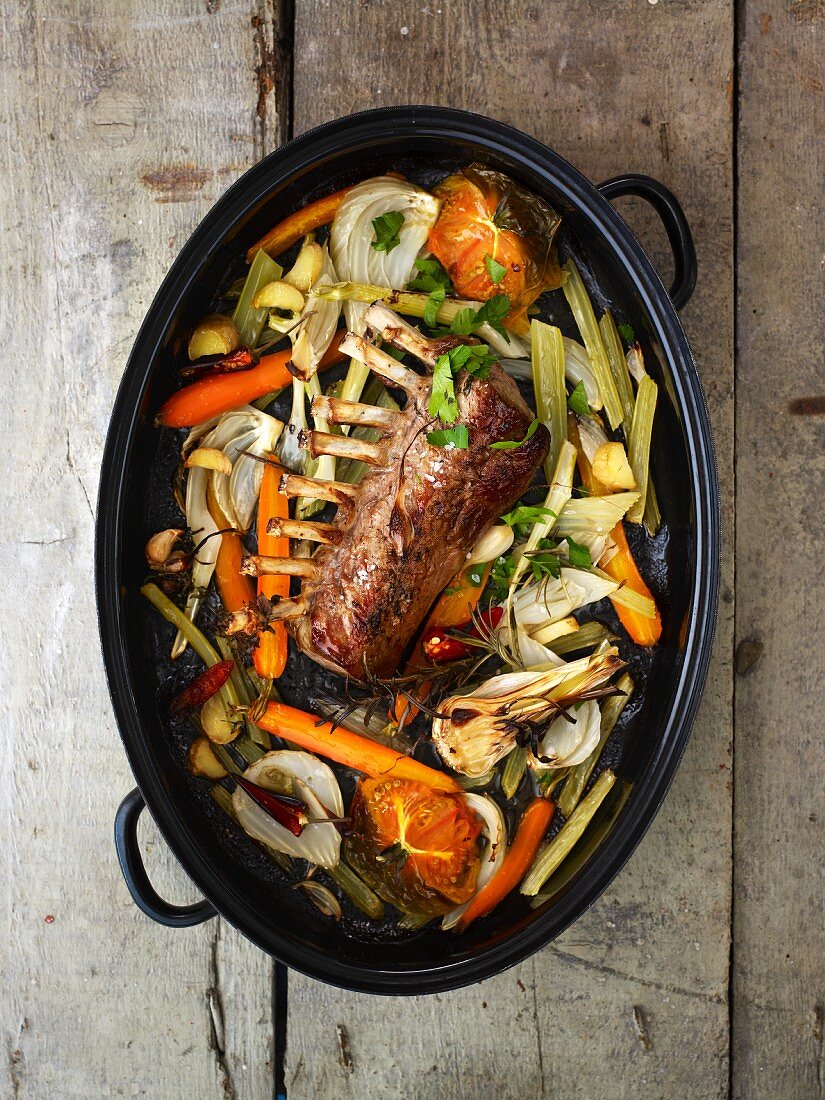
241,359
286,810
203,687
440,646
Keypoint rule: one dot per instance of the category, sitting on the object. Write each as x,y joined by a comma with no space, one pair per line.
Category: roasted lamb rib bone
404,336
338,411
259,565
415,515
313,531
336,492
342,446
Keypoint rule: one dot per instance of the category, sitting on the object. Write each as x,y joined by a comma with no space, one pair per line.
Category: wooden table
700,971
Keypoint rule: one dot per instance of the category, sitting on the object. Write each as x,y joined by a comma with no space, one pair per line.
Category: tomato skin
418,848
487,214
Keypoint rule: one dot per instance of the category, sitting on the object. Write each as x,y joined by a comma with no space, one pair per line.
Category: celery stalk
653,517
618,364
560,491
588,636
413,303
582,308
579,775
248,321
638,444
624,595
513,771
356,890
547,354
555,852
195,637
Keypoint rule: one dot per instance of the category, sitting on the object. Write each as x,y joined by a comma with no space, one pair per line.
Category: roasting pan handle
143,892
667,206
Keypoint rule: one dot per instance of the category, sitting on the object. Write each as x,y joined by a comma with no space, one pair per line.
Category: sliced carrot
534,823
350,749
623,568
221,392
453,608
270,653
297,225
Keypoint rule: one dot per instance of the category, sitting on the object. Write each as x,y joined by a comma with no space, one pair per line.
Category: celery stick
638,443
223,798
579,775
195,637
475,782
618,364
625,596
555,852
226,758
547,354
248,321
412,922
588,636
579,301
560,491
356,890
653,517
513,771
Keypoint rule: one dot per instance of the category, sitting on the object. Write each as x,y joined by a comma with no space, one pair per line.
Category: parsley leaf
544,563
492,312
512,444
525,515
458,436
577,401
387,229
443,403
503,569
432,275
626,332
578,555
475,575
434,301
495,270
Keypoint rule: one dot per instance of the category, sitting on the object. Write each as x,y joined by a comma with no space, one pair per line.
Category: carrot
350,749
270,654
534,823
219,393
236,590
623,568
453,608
298,224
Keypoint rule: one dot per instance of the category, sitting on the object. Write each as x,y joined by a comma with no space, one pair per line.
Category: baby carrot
270,654
534,823
297,225
219,393
350,749
623,568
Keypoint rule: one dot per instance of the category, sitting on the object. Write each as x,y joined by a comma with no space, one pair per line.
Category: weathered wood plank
123,123
779,932
615,87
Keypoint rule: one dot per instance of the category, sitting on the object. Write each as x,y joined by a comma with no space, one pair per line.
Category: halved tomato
485,214
418,848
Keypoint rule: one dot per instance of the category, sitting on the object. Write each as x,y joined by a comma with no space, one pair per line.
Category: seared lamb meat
401,535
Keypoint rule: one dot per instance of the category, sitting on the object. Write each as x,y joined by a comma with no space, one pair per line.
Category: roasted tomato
418,848
485,214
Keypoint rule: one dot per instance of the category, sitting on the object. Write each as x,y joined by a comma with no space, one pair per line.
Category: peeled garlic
215,335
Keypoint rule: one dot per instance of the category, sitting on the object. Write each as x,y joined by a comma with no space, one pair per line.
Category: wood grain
124,123
645,88
779,956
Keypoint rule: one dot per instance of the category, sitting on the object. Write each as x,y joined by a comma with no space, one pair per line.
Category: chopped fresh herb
458,437
495,270
396,353
443,403
511,444
451,591
432,275
577,401
492,312
475,575
523,516
578,555
437,295
503,569
544,563
387,229
626,332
